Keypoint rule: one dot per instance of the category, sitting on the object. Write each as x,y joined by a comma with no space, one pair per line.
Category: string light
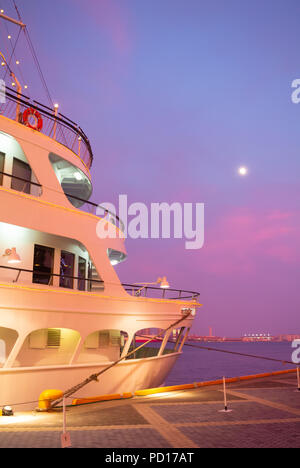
26,86
9,37
13,84
17,62
3,64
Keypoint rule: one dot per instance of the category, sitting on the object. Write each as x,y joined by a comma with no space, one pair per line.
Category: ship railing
27,186
55,125
66,281
87,284
164,293
22,185
97,210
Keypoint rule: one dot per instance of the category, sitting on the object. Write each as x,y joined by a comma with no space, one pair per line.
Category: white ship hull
21,388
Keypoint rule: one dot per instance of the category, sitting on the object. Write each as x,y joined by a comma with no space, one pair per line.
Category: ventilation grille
53,338
104,339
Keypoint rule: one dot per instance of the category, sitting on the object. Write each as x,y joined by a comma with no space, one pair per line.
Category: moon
243,171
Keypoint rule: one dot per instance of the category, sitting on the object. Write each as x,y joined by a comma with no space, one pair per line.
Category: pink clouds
113,21
237,242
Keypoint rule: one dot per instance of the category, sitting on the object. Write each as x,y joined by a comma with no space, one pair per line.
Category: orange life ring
33,112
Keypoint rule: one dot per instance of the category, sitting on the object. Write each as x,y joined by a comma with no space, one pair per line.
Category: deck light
78,176
14,257
163,282
7,411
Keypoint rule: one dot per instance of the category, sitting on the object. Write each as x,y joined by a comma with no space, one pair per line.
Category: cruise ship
64,312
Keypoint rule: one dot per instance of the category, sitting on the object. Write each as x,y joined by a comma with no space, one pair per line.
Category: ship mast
11,20
12,74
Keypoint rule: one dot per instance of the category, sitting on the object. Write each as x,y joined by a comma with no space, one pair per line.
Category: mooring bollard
65,437
225,410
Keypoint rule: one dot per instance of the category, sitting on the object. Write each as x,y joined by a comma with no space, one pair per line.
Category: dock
265,413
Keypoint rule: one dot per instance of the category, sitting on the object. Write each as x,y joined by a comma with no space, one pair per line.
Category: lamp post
162,281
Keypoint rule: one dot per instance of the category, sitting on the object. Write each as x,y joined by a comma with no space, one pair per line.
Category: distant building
257,337
289,338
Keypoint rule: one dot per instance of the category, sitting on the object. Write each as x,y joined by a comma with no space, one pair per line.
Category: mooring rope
94,377
231,352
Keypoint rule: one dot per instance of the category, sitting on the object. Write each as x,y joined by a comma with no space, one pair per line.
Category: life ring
30,112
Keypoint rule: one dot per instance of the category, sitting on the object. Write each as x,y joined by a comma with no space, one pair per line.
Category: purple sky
174,96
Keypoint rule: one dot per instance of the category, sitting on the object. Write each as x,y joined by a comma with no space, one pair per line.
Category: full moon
243,171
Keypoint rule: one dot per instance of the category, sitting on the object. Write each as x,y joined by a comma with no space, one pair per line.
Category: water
196,365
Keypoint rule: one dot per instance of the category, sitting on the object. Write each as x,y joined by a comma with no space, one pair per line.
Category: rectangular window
2,158
81,273
22,171
66,269
43,264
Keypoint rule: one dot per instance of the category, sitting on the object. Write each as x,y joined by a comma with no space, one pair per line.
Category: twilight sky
175,95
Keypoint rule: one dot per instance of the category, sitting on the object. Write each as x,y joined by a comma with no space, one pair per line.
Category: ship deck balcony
55,125
94,285
35,189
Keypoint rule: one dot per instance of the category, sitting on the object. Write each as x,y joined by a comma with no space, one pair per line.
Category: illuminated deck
266,413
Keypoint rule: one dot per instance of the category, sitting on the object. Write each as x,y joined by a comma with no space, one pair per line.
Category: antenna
22,26
30,45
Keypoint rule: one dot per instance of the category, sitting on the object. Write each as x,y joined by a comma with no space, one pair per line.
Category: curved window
8,338
103,346
48,347
15,171
74,182
115,256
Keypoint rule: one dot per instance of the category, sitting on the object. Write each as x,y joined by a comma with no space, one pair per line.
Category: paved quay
265,413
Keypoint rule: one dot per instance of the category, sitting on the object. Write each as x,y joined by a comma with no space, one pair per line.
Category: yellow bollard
46,397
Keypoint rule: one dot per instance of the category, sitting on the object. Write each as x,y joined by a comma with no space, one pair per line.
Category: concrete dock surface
265,413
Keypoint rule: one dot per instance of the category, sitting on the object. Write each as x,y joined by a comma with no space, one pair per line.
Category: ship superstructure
64,313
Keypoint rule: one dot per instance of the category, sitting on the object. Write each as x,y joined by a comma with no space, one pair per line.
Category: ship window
81,273
43,264
150,349
22,170
103,346
2,158
66,269
8,338
73,181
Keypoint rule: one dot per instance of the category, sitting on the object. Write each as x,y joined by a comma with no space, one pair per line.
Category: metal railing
89,282
36,274
88,206
94,208
165,293
24,186
60,128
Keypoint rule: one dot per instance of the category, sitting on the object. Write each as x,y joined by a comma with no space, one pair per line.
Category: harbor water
196,365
